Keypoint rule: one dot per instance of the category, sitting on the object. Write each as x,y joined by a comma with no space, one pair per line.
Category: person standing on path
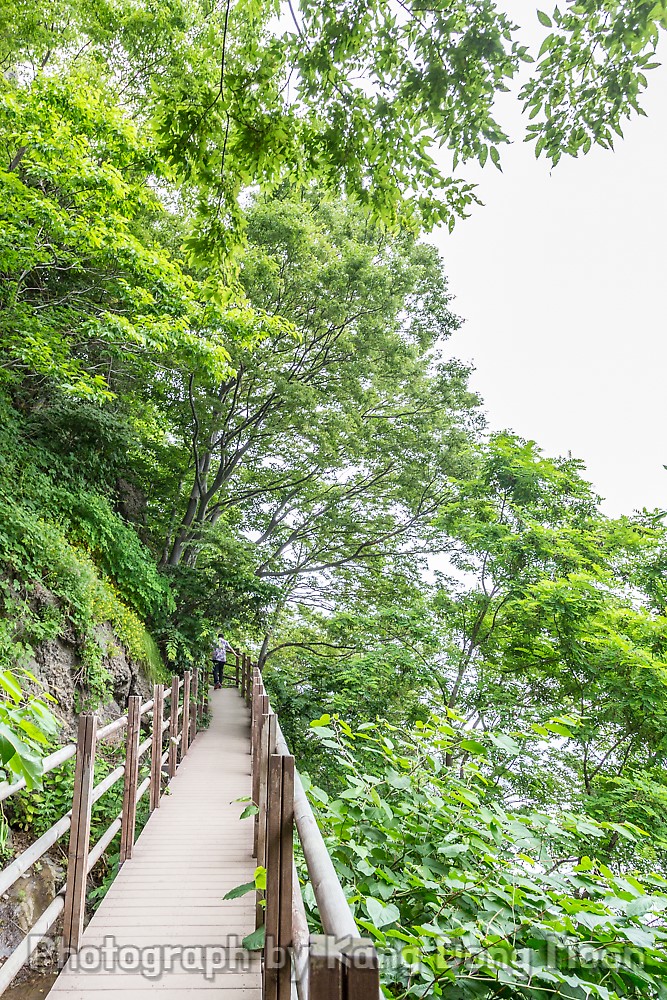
219,656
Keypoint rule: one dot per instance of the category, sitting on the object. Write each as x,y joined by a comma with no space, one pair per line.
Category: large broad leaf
645,904
19,758
642,938
381,913
242,890
9,684
255,941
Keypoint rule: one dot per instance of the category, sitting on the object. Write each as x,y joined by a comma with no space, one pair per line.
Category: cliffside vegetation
227,400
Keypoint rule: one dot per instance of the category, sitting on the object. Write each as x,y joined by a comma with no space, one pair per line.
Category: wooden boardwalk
164,925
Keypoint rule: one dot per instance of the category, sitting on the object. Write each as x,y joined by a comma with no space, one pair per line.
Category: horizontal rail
107,783
143,787
113,727
300,939
334,910
340,962
167,691
71,898
66,753
33,853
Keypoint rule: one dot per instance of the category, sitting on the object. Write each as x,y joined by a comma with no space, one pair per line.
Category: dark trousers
218,671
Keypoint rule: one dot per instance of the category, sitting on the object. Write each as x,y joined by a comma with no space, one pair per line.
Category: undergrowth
69,564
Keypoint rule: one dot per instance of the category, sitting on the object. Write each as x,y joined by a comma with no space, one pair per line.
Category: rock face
58,670
26,901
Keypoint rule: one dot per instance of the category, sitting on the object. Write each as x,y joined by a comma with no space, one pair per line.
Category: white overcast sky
560,278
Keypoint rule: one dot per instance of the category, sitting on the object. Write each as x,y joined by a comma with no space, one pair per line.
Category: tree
555,624
355,97
541,617
311,426
360,96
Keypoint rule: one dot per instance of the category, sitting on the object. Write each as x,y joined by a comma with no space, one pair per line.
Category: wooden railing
179,729
339,963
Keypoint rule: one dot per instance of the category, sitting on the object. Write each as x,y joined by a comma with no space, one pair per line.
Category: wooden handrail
83,857
341,962
338,963
332,905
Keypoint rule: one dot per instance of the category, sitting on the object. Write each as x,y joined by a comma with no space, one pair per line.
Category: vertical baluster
79,840
361,971
260,713
325,973
267,748
173,727
195,706
131,779
185,728
279,866
156,746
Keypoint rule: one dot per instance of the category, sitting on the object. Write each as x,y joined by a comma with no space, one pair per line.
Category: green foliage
221,591
469,899
353,98
26,726
37,553
590,74
225,402
80,185
116,549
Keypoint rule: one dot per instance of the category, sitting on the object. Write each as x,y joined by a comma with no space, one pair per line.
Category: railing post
267,748
195,703
361,970
325,971
254,747
156,746
131,779
203,693
185,727
237,658
260,709
79,840
279,887
173,728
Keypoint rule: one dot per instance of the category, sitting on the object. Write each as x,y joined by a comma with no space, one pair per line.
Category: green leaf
9,683
645,904
544,19
255,941
260,878
240,890
381,913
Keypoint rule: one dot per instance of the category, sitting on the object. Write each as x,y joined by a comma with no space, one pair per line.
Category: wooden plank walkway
164,925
